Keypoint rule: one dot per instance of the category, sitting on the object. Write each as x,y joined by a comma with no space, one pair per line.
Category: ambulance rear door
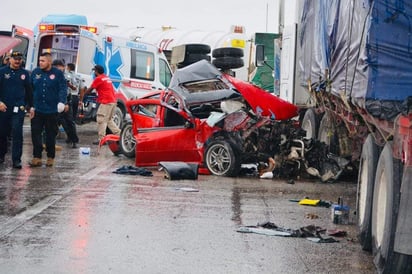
88,47
26,47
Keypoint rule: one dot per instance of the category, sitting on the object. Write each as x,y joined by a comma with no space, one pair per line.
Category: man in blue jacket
15,98
49,98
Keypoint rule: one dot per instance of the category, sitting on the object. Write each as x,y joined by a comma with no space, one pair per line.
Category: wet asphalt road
80,217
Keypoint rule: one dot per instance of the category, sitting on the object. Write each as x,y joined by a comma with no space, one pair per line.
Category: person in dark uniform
49,99
66,117
15,99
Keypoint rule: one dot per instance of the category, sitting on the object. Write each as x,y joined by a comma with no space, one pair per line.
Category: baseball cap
15,54
99,69
58,62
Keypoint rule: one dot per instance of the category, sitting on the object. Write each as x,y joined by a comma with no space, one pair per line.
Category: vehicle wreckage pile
221,123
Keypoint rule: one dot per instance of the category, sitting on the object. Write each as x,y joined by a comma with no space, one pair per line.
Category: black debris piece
132,170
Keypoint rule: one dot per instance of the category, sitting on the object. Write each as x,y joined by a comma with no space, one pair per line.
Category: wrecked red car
208,118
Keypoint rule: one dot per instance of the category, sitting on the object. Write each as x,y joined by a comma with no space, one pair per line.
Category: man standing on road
15,98
107,100
75,84
49,98
66,117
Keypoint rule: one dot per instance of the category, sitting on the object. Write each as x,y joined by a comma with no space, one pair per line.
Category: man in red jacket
107,102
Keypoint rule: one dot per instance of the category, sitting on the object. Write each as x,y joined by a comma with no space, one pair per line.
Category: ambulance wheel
386,197
221,160
127,141
231,52
366,180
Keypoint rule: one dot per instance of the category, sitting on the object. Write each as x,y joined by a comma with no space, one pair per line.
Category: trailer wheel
366,180
221,160
127,141
223,52
327,133
309,123
386,197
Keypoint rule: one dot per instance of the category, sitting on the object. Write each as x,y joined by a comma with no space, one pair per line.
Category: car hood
262,102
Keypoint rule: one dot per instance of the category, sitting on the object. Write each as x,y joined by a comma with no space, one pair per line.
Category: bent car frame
208,118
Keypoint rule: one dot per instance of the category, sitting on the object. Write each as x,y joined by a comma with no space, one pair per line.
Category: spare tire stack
228,58
194,53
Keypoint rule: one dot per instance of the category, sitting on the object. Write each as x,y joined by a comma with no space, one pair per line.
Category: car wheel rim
128,141
219,159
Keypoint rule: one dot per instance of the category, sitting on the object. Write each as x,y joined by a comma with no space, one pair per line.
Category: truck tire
221,160
327,133
228,62
386,196
366,179
230,52
309,123
127,141
197,48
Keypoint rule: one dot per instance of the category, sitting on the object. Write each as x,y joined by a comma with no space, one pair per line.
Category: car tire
366,180
221,160
230,52
118,117
127,141
386,197
228,62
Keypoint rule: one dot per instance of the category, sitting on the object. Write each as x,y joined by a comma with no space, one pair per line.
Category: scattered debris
337,233
179,170
311,216
187,189
312,202
132,170
309,202
310,232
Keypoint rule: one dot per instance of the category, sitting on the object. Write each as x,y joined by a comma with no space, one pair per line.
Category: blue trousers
11,125
47,123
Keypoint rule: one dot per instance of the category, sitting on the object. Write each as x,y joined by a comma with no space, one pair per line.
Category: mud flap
179,170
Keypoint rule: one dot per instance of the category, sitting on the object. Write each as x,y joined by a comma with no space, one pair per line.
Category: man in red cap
107,102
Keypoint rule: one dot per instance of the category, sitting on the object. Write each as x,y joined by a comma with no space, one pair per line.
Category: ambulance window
164,73
142,66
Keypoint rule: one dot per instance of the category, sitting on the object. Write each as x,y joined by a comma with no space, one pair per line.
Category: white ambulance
134,67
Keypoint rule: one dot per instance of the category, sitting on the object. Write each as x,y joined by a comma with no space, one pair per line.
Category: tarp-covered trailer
354,59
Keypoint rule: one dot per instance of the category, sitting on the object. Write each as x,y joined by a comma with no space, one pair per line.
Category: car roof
201,82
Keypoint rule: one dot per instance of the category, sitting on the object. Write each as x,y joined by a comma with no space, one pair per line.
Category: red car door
174,138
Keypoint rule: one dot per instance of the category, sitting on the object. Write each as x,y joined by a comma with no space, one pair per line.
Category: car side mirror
189,124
